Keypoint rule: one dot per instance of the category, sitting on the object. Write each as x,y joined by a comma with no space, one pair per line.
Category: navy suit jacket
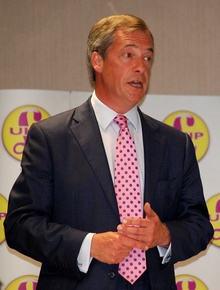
65,191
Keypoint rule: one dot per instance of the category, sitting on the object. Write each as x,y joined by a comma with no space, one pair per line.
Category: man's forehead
135,38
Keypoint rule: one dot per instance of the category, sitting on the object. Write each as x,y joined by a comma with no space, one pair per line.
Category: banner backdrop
196,115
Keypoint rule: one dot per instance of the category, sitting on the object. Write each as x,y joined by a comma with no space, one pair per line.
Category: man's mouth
136,84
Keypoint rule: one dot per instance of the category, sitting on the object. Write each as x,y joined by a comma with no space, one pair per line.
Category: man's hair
102,35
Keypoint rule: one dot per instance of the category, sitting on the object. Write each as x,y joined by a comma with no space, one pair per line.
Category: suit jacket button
111,275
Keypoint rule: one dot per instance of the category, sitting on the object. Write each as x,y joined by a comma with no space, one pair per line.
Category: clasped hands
142,233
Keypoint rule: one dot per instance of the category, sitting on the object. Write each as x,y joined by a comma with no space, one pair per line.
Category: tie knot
121,120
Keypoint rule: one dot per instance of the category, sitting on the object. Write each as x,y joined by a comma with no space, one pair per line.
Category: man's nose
139,65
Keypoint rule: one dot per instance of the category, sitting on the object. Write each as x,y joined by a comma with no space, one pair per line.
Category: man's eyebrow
151,49
135,46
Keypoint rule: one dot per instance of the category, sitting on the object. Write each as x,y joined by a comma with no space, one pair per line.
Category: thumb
148,210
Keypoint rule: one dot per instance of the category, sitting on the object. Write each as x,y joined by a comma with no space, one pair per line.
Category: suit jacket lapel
86,131
154,146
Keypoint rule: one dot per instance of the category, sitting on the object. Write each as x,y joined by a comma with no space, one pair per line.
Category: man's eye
128,54
148,58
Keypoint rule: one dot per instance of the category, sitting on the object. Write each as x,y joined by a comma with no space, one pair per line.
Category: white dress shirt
109,132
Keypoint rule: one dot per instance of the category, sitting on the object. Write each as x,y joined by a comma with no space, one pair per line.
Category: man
63,209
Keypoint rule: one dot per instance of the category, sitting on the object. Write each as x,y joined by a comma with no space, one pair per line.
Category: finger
133,243
131,230
148,210
134,222
138,234
140,221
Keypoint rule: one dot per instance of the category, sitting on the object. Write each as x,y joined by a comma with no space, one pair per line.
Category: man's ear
97,61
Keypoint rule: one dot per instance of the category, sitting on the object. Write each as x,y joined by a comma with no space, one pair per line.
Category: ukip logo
213,205
3,212
192,124
28,282
189,282
16,126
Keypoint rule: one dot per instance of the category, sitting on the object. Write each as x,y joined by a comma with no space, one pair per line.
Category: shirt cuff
165,253
84,259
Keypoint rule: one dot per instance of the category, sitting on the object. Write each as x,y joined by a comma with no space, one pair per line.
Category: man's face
122,78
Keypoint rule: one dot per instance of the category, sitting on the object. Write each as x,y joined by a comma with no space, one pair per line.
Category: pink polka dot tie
127,189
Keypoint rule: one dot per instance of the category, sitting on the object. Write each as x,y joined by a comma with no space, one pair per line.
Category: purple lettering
214,219
18,148
216,232
37,116
21,131
28,285
195,135
190,284
2,215
12,132
178,121
198,135
23,118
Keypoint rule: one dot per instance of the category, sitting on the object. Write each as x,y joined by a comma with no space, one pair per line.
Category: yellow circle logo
188,282
213,205
23,283
3,212
192,124
16,126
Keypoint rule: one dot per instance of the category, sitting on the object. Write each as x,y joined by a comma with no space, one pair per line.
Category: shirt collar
105,115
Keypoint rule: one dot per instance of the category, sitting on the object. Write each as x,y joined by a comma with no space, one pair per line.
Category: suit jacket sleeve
192,230
31,226
178,195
